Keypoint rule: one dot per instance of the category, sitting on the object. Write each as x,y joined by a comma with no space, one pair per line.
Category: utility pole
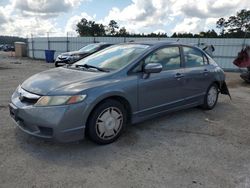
48,40
32,45
244,40
67,42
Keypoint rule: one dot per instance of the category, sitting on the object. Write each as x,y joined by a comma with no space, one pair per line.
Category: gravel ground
190,148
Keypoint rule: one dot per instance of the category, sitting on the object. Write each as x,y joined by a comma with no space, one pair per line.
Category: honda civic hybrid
122,84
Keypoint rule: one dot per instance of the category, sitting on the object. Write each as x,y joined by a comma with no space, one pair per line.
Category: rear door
162,91
198,74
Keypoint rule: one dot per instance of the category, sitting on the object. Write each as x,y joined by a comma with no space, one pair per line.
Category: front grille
27,97
62,58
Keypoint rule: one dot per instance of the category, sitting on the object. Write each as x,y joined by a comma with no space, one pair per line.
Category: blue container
49,56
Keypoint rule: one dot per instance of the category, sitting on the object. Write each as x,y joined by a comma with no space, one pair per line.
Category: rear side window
193,57
168,57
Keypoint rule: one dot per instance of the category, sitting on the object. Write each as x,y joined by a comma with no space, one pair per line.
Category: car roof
150,43
158,43
103,43
162,43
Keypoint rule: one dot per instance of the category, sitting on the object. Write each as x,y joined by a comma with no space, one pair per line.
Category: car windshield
114,57
90,48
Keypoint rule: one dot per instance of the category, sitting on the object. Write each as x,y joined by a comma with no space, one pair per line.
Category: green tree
240,22
174,35
96,29
113,25
11,40
123,32
235,26
221,23
208,34
184,35
90,28
83,27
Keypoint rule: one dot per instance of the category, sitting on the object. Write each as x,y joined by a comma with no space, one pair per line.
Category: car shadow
167,129
5,68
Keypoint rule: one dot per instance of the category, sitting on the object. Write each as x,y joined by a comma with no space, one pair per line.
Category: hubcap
212,96
109,123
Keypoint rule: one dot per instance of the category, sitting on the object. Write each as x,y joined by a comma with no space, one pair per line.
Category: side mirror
152,68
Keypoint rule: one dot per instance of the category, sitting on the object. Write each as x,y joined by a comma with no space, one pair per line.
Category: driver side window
168,57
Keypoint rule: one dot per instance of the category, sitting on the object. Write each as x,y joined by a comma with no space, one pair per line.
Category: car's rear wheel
211,97
106,122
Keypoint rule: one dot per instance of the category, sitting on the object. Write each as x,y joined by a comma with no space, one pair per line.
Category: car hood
73,53
45,82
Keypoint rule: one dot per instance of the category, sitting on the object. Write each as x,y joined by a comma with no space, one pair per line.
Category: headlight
76,56
59,100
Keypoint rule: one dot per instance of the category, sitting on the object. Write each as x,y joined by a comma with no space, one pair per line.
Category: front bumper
67,61
61,123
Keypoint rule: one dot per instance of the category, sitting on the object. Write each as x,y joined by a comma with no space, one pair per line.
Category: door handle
179,76
205,71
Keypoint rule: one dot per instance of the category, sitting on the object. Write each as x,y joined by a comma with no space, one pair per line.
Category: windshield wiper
92,66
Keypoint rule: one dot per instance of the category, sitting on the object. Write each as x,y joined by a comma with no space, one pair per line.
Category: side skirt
137,119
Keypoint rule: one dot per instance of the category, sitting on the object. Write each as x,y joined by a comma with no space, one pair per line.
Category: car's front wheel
211,97
106,122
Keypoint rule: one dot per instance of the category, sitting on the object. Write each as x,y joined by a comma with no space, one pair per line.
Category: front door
162,91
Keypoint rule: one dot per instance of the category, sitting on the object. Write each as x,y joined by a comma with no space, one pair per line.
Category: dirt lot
191,148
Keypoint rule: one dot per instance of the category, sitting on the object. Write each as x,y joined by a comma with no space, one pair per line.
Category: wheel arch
222,86
118,97
217,83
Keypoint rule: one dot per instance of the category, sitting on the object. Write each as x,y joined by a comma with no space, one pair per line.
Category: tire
106,122
57,64
211,97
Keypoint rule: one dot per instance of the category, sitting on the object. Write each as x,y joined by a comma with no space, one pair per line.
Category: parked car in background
72,57
7,48
243,61
126,83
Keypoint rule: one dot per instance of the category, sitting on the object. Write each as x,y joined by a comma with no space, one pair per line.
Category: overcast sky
23,17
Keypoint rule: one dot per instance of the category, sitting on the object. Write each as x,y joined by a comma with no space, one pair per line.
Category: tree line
236,26
91,28
10,40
